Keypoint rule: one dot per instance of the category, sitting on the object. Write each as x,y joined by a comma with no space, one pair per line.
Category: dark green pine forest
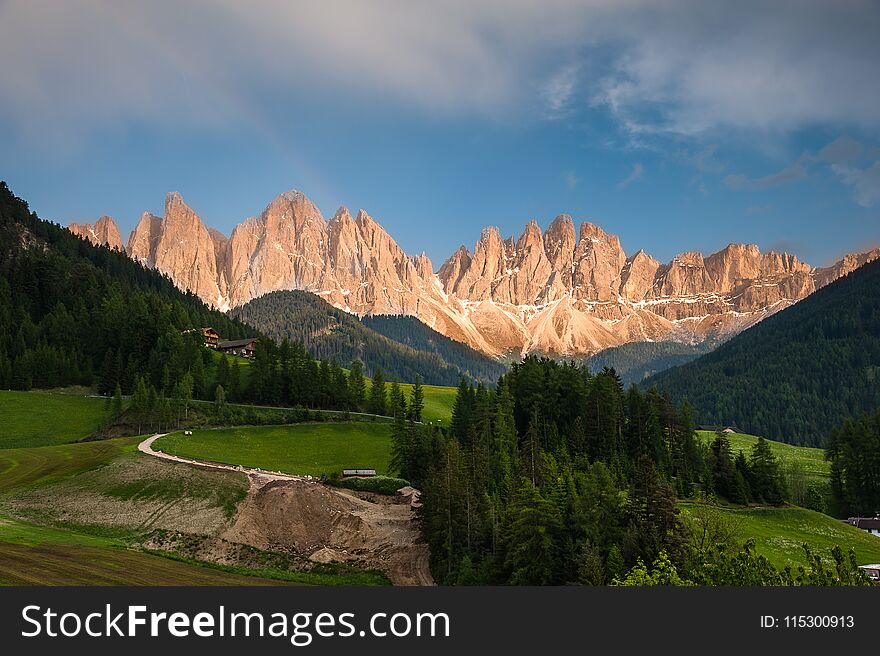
559,476
797,374
72,313
402,348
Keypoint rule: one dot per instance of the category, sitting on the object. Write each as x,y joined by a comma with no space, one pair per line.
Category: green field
811,460
780,532
29,467
40,555
74,514
312,449
43,418
438,402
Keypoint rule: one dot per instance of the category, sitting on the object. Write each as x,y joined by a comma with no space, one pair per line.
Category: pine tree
235,382
531,553
767,482
417,400
220,402
184,392
140,402
117,401
378,395
397,401
356,385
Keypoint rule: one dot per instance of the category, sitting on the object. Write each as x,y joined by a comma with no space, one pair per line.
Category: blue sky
681,128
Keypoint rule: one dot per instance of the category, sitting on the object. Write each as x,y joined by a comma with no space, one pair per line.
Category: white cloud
571,180
634,176
865,182
558,90
684,66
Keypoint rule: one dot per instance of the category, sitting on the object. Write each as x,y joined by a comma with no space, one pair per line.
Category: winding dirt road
298,513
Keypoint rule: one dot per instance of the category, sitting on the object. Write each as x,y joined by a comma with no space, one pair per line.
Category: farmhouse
242,347
873,571
869,524
715,429
210,336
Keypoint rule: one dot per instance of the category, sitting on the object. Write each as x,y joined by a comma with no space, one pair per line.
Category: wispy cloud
842,149
571,180
635,175
865,182
558,91
788,175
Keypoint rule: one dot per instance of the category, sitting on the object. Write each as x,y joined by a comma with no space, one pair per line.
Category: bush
377,484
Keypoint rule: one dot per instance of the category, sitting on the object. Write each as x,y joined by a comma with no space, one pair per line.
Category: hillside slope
72,313
796,374
636,361
330,333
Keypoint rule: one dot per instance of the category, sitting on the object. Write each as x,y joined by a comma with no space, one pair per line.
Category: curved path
422,570
147,447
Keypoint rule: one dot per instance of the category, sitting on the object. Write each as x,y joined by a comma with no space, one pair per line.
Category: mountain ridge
562,292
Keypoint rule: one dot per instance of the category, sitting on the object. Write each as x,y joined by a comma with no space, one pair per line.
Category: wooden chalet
211,337
243,347
868,524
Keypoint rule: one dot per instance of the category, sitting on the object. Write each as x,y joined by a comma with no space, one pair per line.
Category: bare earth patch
331,525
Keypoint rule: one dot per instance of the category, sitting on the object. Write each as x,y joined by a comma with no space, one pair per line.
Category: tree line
560,476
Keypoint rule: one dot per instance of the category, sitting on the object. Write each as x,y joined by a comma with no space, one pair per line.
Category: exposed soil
299,515
331,525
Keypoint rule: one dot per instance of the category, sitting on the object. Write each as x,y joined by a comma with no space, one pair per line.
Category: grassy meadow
31,554
780,532
811,461
312,449
43,419
438,401
35,466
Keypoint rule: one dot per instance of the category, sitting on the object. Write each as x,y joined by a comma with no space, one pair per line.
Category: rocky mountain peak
103,232
557,292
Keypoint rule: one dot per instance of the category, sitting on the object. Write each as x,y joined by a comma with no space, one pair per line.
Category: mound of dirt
332,525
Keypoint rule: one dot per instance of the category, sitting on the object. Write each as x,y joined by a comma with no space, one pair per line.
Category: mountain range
565,291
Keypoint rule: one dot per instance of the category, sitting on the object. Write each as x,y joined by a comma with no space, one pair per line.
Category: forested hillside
73,313
330,333
76,314
560,476
797,374
636,361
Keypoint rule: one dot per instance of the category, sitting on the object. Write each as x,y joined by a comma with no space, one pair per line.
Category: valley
157,444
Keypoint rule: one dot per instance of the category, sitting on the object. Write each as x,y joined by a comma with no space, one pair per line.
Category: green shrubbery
377,484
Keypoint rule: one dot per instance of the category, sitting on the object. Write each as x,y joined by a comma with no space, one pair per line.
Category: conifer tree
117,401
356,385
378,395
140,402
416,400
